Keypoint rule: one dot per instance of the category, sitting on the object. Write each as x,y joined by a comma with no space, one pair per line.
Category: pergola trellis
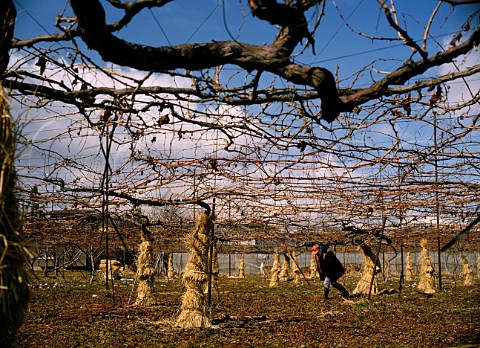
402,150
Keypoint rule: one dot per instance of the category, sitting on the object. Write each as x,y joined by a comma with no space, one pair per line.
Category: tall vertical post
105,184
210,260
212,231
400,223
402,273
437,205
194,195
106,149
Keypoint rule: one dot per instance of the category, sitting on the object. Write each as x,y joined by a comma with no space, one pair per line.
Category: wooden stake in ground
285,271
467,271
409,268
275,269
170,273
145,271
193,312
370,268
296,272
241,267
215,267
426,280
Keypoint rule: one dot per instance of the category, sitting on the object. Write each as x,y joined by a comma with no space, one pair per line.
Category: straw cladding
370,266
193,312
275,269
426,280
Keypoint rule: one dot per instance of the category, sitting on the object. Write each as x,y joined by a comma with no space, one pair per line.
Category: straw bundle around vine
409,268
113,268
275,269
285,271
14,291
467,271
145,271
193,312
370,266
426,280
241,267
313,267
296,272
170,273
478,264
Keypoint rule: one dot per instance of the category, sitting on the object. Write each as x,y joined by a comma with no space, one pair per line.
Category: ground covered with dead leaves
66,311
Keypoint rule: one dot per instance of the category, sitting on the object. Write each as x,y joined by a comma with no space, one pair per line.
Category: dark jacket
331,267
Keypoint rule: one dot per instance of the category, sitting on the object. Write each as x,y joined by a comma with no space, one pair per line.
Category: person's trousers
326,286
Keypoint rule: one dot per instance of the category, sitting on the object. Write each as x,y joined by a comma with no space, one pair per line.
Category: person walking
329,268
